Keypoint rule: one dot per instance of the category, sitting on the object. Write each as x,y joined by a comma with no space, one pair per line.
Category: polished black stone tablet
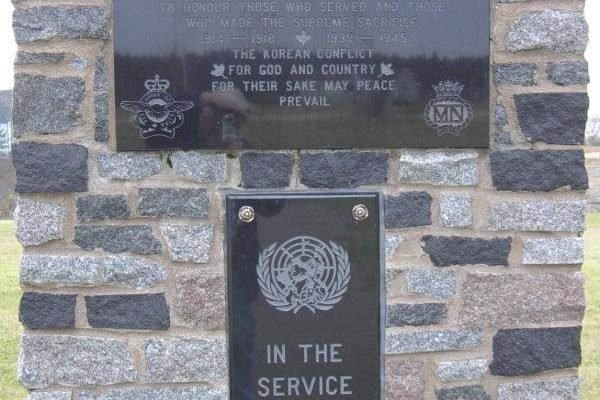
304,296
231,74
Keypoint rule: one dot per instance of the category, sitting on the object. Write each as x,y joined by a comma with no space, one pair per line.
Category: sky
8,48
7,45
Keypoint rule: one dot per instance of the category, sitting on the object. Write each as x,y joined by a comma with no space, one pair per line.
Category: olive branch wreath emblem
275,297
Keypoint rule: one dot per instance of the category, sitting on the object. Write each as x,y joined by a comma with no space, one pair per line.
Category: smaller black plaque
304,290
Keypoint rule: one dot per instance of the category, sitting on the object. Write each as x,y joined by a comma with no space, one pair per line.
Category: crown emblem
157,84
157,113
448,89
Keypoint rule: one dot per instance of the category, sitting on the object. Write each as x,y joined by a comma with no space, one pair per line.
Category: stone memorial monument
300,199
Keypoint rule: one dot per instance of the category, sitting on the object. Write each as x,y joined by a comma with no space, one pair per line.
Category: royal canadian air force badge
303,272
157,113
448,112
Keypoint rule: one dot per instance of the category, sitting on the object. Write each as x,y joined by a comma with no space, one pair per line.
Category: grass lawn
10,251
10,328
590,369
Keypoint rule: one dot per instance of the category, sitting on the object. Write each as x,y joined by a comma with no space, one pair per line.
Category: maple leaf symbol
386,70
303,38
219,71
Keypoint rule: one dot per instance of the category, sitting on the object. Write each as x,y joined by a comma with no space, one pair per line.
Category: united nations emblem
448,112
303,272
157,113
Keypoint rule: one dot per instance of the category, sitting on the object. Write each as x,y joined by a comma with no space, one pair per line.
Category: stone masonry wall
123,270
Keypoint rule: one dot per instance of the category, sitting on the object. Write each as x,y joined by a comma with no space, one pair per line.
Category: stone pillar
123,269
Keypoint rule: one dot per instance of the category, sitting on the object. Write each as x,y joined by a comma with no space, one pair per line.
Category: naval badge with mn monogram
448,113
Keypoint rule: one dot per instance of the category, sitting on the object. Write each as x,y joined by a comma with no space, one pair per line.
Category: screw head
360,212
246,214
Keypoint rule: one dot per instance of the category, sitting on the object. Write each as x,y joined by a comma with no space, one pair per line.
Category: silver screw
360,212
246,214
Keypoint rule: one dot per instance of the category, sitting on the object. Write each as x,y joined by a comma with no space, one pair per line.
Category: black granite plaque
228,74
304,292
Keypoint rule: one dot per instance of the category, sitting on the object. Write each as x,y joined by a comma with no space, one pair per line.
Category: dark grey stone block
29,57
101,105
502,133
566,73
46,105
529,351
553,118
416,314
46,22
170,202
266,170
133,311
47,311
462,393
522,74
338,169
94,208
538,170
100,76
137,239
445,251
44,167
407,210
